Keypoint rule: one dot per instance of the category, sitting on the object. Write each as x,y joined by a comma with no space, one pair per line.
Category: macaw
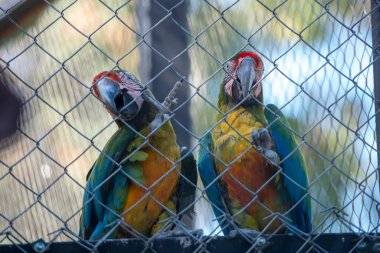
249,163
133,187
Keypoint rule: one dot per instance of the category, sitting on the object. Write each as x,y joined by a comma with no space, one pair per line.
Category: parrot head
120,92
243,78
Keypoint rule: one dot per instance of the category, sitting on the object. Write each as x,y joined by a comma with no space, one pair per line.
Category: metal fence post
375,21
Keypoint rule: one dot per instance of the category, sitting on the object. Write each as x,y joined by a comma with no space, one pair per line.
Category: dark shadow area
9,110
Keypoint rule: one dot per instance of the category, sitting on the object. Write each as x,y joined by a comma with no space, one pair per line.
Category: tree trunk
163,43
169,40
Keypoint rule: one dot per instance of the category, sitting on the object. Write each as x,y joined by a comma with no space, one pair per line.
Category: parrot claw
262,140
251,233
181,233
170,102
164,109
272,157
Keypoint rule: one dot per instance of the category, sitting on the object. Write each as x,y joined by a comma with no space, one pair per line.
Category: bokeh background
318,70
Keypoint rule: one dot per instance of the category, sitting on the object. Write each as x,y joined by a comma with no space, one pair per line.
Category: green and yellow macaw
133,187
263,188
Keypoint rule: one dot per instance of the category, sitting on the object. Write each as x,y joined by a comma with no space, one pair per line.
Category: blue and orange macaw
133,187
252,185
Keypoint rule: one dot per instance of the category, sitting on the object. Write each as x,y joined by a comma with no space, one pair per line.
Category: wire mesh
318,70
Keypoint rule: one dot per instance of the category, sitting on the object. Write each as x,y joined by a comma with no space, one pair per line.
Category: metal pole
375,21
143,19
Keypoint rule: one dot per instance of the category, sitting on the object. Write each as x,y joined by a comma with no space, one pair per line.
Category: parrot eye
119,102
229,70
238,81
228,66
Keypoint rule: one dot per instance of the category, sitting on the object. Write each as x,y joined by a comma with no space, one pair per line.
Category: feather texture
293,166
126,181
209,177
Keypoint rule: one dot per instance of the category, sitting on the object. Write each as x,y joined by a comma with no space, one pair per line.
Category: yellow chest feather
232,136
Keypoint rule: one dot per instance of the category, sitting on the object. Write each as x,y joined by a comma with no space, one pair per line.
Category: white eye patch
228,87
132,87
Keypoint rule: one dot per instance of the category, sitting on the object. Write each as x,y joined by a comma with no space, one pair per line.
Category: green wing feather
107,186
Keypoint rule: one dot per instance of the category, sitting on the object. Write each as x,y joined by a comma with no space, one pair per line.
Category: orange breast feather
141,209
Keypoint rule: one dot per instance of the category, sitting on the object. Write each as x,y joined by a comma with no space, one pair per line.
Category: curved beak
246,74
117,100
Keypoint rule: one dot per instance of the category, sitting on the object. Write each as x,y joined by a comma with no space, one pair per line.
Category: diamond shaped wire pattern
81,166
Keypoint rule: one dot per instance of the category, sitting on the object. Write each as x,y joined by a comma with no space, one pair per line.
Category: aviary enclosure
320,68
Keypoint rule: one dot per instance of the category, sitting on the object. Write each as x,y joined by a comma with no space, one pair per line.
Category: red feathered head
120,92
243,77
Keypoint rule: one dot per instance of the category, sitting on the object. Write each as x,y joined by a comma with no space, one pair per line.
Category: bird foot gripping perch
262,140
165,108
251,233
181,233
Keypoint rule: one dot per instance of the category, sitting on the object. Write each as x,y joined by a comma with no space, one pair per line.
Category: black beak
125,105
118,101
246,75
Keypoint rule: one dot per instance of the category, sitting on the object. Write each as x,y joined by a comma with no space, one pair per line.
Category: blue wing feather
293,166
108,222
102,189
214,191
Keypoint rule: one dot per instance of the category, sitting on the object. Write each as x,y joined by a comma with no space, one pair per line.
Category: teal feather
107,189
214,191
293,166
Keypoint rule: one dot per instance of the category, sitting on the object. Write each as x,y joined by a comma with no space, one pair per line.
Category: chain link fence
318,59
